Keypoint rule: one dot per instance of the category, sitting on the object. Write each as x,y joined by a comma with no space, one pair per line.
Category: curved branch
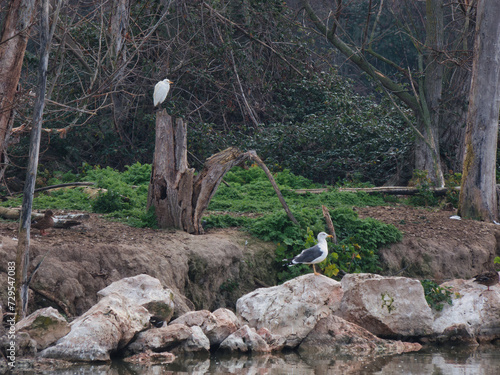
358,59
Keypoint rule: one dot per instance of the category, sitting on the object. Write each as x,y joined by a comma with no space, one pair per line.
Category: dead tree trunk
13,41
23,245
178,196
478,195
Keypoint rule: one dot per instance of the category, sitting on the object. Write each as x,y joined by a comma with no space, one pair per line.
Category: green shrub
436,295
352,139
108,202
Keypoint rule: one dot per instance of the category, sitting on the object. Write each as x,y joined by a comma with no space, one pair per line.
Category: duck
487,278
46,222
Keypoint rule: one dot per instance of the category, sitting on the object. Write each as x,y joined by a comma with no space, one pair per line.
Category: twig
253,156
329,224
54,299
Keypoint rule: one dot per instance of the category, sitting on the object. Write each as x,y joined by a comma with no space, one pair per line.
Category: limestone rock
201,318
197,342
474,314
245,340
386,306
291,310
161,339
144,290
216,326
334,335
275,342
226,323
22,346
45,326
106,327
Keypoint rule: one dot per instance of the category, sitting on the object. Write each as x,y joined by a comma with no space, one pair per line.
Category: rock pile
364,315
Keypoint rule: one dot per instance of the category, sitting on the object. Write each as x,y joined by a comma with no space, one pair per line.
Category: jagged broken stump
179,195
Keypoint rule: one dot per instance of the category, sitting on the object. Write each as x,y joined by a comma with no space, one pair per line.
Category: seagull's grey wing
308,255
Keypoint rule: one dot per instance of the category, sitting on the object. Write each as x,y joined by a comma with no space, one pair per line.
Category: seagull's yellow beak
330,235
169,81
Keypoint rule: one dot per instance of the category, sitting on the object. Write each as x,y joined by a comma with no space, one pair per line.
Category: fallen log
390,190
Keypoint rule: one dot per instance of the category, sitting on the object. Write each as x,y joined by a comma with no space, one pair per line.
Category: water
450,361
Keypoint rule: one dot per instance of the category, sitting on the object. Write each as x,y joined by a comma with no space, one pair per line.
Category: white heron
161,91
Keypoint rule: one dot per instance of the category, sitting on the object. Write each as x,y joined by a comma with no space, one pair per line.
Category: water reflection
464,361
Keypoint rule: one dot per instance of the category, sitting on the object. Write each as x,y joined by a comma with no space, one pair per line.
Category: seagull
488,278
313,255
45,222
161,91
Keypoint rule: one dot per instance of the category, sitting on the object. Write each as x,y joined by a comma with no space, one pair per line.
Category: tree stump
178,195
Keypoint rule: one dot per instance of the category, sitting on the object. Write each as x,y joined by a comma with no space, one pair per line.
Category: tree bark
13,43
178,195
478,199
22,256
427,155
119,23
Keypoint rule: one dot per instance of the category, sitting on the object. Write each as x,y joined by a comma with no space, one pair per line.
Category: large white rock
226,323
106,327
201,318
245,340
161,339
216,326
292,309
474,314
386,306
197,342
45,326
144,290
334,335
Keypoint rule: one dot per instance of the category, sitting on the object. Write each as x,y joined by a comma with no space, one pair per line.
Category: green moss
388,302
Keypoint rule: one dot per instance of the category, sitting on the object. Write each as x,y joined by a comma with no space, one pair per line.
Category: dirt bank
215,269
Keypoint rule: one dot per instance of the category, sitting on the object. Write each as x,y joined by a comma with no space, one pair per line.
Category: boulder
334,335
389,307
201,318
474,315
216,326
275,342
226,323
291,310
245,340
23,345
160,339
108,326
45,326
144,290
197,342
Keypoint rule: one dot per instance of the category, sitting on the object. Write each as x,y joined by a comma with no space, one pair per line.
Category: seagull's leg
314,269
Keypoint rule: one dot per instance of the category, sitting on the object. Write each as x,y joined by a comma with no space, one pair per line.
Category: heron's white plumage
161,91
